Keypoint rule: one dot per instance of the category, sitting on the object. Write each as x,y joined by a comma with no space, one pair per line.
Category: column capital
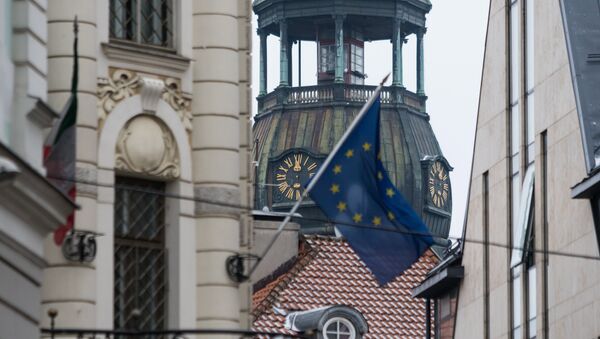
421,31
262,32
339,18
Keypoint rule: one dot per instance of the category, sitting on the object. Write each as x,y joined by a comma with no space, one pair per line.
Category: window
339,328
139,253
356,58
142,21
327,58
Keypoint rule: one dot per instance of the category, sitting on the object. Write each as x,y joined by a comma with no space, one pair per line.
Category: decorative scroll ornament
147,147
173,96
123,84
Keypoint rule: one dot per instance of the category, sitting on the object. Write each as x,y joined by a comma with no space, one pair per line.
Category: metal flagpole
320,172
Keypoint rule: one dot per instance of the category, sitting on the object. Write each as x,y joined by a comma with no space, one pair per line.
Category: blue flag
356,194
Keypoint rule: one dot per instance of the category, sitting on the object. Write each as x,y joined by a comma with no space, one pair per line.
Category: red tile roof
328,272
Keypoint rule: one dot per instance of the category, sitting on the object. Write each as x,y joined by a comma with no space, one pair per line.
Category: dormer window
339,328
330,322
147,22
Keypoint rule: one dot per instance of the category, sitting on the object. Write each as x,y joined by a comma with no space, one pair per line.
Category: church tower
297,126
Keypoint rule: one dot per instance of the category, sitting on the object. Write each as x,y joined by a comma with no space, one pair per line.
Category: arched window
140,299
339,328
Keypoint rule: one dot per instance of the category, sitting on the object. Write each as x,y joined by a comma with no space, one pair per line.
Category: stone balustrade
335,93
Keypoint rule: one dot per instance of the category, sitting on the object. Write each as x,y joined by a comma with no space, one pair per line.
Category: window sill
145,55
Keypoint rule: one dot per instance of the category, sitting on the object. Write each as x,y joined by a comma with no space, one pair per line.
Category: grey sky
453,57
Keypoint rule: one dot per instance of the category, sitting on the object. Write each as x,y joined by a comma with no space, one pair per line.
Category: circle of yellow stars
342,206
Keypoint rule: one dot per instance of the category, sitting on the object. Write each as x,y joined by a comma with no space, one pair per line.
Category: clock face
291,173
439,186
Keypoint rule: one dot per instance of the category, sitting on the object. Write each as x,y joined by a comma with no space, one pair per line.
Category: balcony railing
323,94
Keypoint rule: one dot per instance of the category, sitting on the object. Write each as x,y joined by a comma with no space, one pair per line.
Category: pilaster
70,287
216,164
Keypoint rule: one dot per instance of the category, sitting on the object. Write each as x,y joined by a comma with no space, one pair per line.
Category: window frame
167,44
140,242
338,320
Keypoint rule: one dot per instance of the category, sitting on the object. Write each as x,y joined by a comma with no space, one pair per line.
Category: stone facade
31,208
179,115
566,294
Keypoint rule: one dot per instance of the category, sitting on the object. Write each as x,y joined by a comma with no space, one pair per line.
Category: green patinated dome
296,127
408,142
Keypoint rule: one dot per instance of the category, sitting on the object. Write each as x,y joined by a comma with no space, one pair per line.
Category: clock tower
297,126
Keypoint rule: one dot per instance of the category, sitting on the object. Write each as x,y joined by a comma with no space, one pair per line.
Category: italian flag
59,149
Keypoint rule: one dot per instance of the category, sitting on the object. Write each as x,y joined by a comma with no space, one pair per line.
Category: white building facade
31,208
163,168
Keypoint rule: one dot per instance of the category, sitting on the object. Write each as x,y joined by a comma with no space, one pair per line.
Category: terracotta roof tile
328,272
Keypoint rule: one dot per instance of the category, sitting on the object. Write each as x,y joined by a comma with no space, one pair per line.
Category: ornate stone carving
122,84
182,105
147,147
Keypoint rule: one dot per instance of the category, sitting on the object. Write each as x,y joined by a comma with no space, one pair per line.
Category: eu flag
356,194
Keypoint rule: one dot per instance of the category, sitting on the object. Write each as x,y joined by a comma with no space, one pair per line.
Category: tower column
420,63
263,62
339,49
283,55
289,58
397,42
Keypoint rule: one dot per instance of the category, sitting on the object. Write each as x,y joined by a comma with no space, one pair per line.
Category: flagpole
320,172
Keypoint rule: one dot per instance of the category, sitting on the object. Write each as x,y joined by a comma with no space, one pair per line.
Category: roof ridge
272,296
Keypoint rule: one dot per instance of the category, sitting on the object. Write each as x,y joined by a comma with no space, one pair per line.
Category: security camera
8,169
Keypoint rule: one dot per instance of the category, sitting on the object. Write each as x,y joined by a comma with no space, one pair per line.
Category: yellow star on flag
390,192
337,169
341,206
349,153
366,146
357,217
391,216
335,188
377,221
379,175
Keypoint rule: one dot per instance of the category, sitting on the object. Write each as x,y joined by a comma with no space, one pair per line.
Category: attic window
339,328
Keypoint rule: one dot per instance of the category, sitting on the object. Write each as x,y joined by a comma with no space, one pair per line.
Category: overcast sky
453,57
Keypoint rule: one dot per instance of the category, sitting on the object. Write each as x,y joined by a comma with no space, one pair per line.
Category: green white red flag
59,149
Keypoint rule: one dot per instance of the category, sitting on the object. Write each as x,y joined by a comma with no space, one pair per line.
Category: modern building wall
572,284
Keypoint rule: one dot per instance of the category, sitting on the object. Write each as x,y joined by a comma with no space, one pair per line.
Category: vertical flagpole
320,172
